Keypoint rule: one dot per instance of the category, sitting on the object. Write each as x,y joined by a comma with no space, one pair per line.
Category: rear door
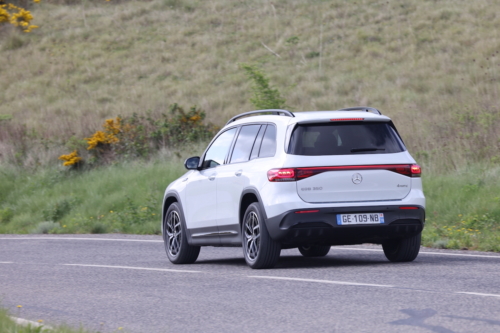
233,177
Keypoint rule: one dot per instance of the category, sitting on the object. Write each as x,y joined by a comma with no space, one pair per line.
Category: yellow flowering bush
139,136
106,137
71,159
17,16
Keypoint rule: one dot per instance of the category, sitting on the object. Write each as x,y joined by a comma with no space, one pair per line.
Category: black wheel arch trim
252,190
174,194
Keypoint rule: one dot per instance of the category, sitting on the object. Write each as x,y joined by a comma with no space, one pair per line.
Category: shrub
56,211
98,228
46,227
6,215
139,136
264,96
17,16
71,159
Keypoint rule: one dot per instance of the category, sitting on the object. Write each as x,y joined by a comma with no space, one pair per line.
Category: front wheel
175,239
260,250
402,250
314,250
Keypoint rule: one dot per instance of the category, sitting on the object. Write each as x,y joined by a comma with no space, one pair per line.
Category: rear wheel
314,250
260,250
174,236
402,250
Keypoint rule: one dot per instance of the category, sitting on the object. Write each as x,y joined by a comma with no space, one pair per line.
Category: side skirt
214,236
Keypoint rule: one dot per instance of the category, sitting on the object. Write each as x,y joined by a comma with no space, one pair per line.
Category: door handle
212,177
238,173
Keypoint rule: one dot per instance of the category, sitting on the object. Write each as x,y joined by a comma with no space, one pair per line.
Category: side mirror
192,163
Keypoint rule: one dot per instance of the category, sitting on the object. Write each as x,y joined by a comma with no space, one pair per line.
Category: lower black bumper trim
320,227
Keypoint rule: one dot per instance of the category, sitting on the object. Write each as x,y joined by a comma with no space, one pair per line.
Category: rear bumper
292,229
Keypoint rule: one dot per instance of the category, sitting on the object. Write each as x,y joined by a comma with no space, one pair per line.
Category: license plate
365,218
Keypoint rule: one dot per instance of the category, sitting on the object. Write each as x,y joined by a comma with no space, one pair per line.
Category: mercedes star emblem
357,178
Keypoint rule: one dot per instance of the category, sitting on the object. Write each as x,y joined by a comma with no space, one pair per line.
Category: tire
259,249
175,239
402,250
314,250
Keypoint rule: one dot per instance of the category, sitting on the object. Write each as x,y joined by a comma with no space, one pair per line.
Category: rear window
345,138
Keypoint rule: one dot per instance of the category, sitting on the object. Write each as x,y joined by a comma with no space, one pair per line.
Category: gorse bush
17,16
140,136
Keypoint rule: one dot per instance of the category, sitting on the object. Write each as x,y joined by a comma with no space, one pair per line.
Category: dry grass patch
432,66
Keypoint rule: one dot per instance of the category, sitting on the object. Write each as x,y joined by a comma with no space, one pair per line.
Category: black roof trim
362,108
276,112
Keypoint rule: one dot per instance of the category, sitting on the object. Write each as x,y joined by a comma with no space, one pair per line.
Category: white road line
88,238
321,281
477,294
460,255
137,268
421,252
6,262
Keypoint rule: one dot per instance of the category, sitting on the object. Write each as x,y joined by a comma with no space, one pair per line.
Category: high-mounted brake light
294,174
347,119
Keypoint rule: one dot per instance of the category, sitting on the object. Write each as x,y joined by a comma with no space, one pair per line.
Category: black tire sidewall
403,250
269,250
186,252
314,250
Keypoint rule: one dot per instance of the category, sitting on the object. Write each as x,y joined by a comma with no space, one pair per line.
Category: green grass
463,209
125,197
7,325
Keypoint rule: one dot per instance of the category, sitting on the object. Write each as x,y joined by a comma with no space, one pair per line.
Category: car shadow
294,262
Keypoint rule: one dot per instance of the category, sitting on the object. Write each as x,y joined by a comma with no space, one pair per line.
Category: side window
258,141
268,147
244,143
218,150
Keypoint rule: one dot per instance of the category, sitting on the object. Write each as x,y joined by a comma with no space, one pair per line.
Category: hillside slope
434,66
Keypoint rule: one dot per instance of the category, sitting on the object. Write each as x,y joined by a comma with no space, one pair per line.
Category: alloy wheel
252,236
174,233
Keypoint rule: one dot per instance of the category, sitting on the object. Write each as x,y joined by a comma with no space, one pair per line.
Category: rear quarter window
345,138
268,146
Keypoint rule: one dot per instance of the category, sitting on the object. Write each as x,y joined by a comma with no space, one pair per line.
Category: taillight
281,175
416,171
293,174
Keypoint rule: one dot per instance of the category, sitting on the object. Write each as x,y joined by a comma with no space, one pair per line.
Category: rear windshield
345,138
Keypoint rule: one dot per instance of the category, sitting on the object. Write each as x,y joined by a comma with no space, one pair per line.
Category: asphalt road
107,282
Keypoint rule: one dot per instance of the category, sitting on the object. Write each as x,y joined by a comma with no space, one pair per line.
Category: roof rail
362,108
276,112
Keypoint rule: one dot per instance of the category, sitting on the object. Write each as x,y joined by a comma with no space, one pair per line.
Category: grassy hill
433,66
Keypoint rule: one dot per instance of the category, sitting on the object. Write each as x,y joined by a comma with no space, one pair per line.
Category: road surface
107,282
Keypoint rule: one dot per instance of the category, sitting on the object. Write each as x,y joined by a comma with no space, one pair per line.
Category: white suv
305,180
